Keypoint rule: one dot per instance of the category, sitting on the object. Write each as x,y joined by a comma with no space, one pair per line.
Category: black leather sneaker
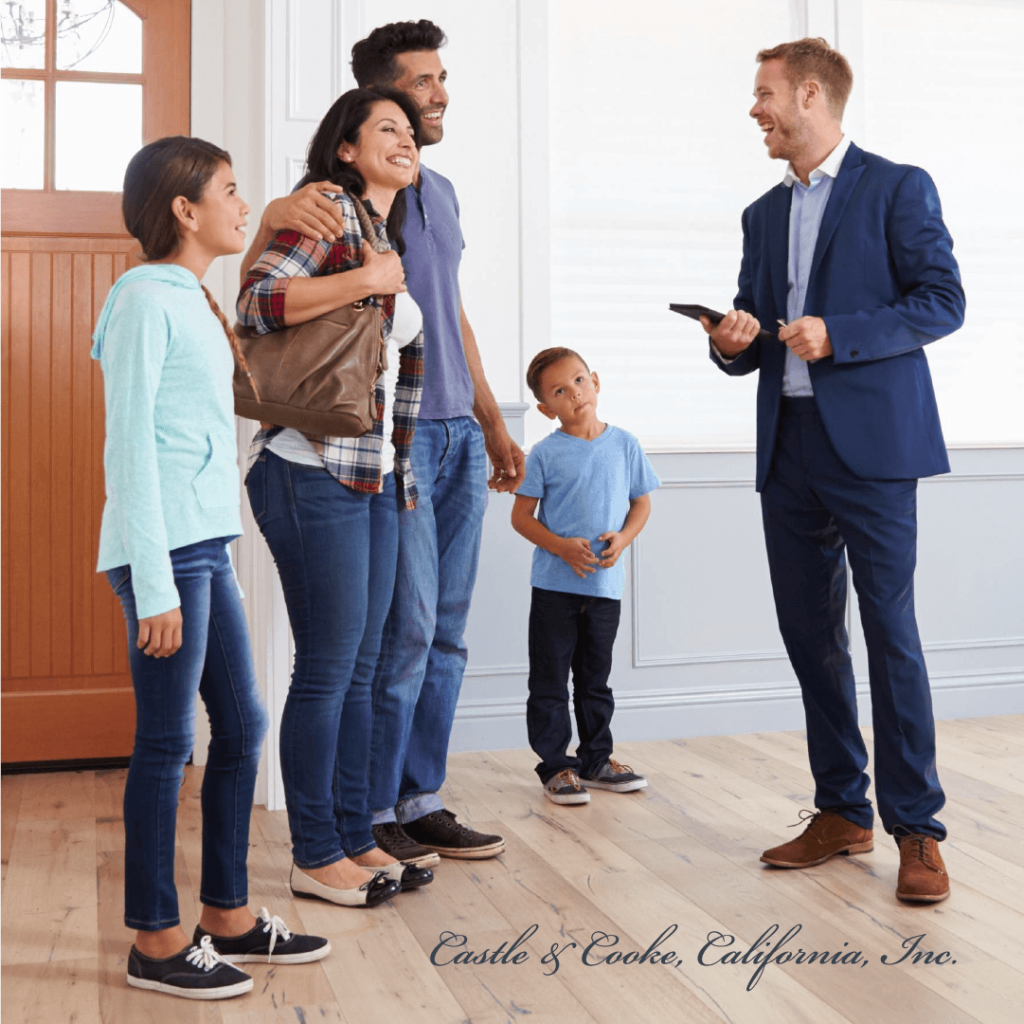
391,838
441,832
270,941
199,972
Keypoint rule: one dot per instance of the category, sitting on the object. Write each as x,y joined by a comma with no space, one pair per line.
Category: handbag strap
369,232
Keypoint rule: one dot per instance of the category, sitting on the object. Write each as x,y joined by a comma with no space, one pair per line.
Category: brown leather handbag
319,377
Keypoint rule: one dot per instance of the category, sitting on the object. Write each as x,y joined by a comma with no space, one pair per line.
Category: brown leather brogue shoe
827,834
923,877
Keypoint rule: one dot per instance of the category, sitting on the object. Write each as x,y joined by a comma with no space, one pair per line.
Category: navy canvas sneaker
270,941
198,972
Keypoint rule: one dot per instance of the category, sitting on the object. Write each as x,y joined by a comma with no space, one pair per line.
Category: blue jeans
335,550
578,632
214,659
423,653
815,511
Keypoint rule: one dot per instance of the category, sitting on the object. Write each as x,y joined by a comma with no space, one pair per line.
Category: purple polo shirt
433,251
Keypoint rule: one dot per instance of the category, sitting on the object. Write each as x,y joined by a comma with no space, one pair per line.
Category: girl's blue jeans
215,660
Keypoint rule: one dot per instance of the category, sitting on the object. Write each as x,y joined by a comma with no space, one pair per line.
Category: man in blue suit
850,254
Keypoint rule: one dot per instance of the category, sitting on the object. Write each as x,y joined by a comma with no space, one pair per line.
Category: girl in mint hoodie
172,507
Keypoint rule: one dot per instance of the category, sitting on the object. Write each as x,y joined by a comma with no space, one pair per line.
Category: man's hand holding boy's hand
507,460
576,553
616,545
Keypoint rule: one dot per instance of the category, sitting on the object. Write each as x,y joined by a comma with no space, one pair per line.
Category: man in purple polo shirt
423,653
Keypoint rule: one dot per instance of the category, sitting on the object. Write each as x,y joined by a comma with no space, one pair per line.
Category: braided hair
160,172
232,340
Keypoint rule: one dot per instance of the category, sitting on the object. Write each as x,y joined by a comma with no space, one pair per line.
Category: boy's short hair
373,58
541,361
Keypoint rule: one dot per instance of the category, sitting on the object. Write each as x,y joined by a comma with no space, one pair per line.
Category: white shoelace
204,956
275,928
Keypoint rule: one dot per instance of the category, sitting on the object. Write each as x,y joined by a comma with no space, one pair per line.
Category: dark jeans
577,632
815,511
335,549
214,659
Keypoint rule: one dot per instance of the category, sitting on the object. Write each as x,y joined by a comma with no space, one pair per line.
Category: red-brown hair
814,58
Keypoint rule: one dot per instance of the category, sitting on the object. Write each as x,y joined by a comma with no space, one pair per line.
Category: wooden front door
85,84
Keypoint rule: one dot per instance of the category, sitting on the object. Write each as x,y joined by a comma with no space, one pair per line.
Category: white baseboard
672,714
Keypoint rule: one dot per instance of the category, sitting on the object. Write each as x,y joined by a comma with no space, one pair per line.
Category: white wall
229,101
698,649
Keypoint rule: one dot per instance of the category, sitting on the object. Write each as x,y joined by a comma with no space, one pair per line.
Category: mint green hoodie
170,455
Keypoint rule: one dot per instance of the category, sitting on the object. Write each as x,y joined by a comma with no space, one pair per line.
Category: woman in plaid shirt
328,506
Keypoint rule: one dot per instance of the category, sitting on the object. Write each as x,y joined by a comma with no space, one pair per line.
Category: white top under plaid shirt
353,461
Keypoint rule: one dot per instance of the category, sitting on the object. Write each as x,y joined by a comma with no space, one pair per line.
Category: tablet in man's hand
695,312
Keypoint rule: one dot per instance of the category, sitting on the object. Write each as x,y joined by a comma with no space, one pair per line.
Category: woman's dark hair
155,177
373,58
342,123
175,166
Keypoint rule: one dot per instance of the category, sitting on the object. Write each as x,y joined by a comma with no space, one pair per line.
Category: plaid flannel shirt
353,461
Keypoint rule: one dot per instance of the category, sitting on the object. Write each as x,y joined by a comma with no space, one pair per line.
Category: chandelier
21,29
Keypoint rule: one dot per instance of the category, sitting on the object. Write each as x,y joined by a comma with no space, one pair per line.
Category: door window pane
23,26
99,129
98,35
23,133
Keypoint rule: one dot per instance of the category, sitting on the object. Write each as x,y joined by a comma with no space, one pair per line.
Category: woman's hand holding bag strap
320,376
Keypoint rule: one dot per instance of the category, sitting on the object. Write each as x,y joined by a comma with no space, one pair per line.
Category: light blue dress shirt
805,213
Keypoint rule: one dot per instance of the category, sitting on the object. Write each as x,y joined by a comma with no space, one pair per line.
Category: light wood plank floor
682,853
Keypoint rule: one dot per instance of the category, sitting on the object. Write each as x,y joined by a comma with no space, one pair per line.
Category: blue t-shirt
585,488
433,251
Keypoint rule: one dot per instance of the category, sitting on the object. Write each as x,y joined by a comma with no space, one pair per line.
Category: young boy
592,481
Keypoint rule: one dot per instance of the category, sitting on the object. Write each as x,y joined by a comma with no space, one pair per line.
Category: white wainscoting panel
698,649
968,550
705,548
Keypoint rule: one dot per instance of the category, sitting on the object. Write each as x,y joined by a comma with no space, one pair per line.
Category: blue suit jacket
884,279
